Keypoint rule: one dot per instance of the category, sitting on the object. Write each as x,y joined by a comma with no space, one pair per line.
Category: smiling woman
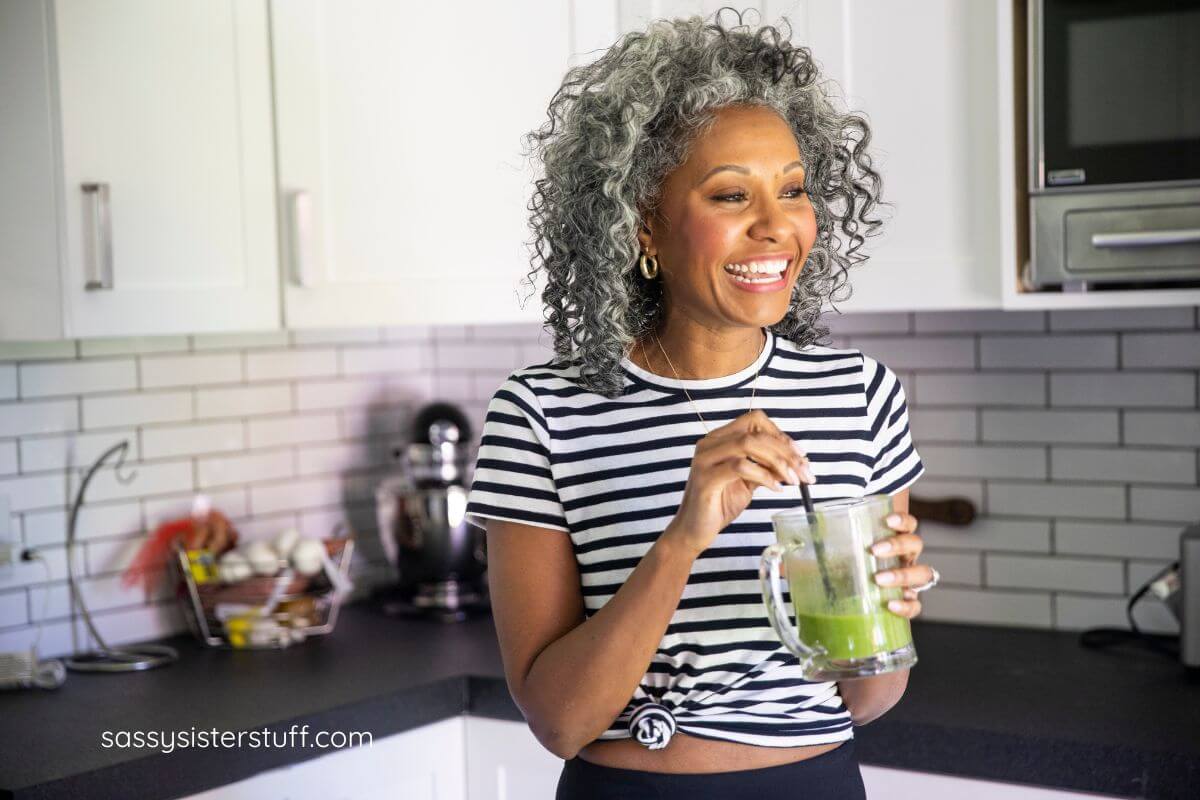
697,178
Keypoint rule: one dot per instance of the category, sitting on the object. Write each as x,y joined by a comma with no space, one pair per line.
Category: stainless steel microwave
1114,144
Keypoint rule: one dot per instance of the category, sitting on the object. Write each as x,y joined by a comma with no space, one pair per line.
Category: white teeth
759,267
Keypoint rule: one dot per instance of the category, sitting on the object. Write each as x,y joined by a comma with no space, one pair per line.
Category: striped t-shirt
611,475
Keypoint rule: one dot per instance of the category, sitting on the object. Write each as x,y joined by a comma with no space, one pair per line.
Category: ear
646,238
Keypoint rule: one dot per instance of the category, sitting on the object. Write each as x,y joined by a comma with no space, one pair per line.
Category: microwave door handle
1146,238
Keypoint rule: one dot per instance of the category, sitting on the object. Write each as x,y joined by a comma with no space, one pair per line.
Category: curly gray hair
620,124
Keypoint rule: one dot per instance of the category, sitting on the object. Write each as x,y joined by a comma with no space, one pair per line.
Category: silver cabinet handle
99,258
301,244
1146,238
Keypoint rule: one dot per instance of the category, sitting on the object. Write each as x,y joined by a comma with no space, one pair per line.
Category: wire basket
290,591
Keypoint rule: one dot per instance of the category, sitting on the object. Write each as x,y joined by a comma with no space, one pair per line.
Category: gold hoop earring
648,273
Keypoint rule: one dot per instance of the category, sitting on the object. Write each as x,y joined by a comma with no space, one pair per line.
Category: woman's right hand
723,477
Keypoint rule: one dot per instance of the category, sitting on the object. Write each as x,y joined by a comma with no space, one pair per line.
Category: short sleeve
895,464
512,479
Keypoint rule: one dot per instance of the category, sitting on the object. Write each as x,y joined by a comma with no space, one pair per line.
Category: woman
685,225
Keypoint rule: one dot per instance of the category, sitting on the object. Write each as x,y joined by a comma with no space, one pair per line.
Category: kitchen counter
995,703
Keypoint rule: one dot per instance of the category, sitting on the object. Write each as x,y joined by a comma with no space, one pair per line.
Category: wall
1076,434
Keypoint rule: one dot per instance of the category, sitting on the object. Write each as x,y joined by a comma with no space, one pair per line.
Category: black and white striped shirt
611,474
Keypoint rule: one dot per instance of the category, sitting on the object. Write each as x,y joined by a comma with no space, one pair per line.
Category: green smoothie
846,636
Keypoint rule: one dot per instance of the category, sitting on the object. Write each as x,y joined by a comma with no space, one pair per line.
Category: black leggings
825,777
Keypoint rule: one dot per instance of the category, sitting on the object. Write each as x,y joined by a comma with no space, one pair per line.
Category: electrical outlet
9,546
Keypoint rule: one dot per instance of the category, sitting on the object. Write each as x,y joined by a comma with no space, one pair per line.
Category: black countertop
1002,704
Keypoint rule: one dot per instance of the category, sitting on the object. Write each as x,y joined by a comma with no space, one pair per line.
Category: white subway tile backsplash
161,477
1116,389
1119,539
1128,465
33,573
990,533
1023,609
170,441
984,461
8,381
979,320
273,431
411,357
96,519
268,365
1025,352
1030,425
1169,505
8,458
46,416
1142,572
132,346
1171,428
943,425
296,495
106,556
1055,573
298,428
191,370
884,322
918,352
1121,319
36,351
240,341
471,355
244,469
964,569
336,336
35,491
100,593
244,401
1056,500
980,389
111,411
14,608
1160,350
58,378
73,450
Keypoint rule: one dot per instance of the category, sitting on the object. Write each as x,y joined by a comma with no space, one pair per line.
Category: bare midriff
690,754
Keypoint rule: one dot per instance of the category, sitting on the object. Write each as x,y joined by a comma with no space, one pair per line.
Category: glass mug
842,628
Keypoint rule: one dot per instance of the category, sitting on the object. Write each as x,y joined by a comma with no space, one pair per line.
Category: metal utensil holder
327,603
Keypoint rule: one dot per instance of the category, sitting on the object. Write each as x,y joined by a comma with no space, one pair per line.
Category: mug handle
769,575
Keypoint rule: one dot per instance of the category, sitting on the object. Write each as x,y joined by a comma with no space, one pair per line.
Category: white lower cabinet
472,758
506,762
422,764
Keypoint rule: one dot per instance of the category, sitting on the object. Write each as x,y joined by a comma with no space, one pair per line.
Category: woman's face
738,196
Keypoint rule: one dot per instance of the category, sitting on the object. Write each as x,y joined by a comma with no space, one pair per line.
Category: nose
771,221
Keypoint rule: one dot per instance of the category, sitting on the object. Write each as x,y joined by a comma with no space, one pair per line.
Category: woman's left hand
907,545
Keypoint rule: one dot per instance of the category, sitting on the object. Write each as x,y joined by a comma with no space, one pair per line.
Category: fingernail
881,548
808,474
796,446
894,605
885,578
793,476
893,519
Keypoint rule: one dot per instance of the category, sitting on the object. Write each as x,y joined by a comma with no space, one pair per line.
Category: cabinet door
504,760
168,106
399,148
937,137
421,764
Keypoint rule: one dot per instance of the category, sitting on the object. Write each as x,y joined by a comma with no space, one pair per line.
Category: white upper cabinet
401,176
151,205
928,78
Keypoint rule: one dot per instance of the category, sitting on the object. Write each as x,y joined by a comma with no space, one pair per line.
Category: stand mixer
441,558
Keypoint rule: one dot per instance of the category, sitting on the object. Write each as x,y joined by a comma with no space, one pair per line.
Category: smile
759,276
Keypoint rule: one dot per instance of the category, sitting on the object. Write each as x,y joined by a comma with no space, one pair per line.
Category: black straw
806,497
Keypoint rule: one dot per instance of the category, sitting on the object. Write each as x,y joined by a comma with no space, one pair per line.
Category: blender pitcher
837,621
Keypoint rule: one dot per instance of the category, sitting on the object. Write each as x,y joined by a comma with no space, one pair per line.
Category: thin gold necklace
688,394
